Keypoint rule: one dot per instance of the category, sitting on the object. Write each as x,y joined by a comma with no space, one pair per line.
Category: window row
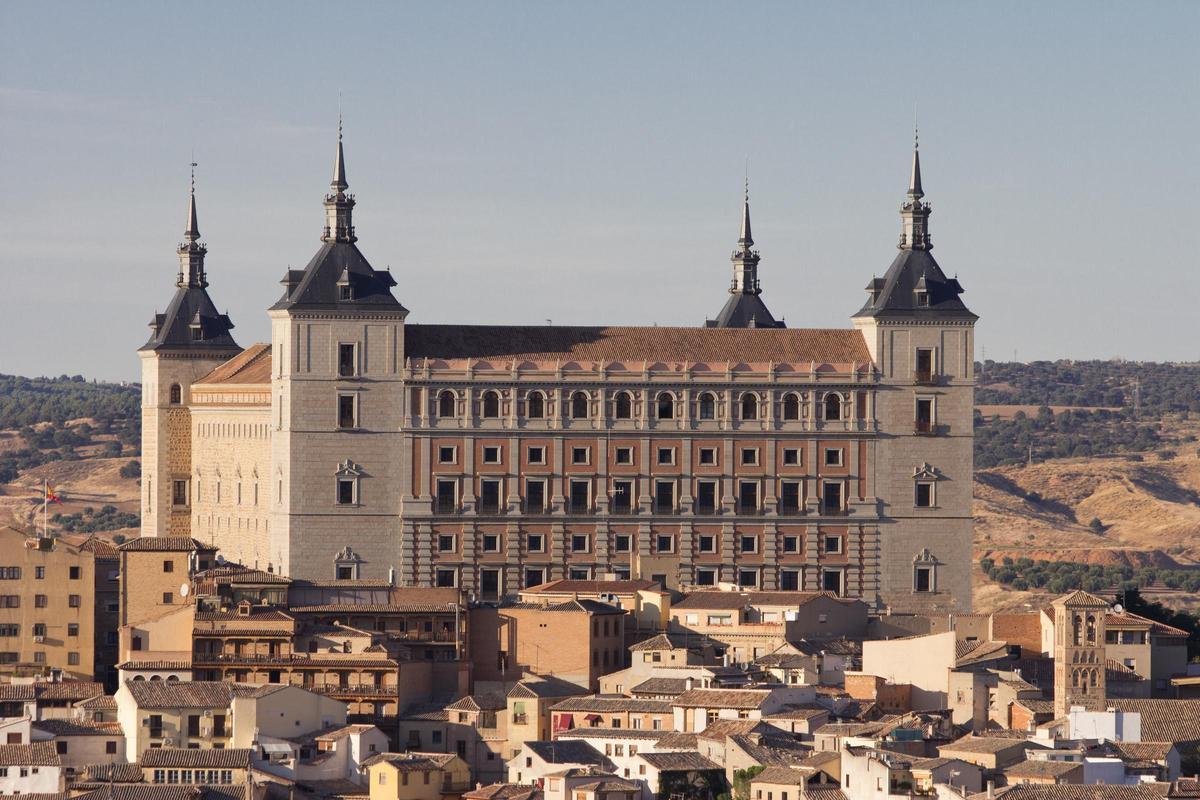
660,543
39,601
626,455
665,405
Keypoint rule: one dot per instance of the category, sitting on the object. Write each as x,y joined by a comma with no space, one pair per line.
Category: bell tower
1079,659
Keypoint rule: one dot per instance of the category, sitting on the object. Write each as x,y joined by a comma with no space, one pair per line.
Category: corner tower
1079,655
337,342
745,308
921,339
186,342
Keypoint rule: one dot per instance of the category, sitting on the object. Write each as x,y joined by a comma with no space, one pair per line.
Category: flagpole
45,505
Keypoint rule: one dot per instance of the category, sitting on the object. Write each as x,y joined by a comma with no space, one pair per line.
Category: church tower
921,339
1079,658
745,308
186,342
337,343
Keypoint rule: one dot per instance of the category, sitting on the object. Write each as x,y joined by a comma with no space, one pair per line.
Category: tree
1096,525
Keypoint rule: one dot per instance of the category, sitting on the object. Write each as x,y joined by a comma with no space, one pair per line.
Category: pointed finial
191,233
914,183
339,164
745,238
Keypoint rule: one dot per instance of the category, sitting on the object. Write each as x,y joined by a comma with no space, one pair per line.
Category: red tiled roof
208,758
38,754
173,544
567,586
251,366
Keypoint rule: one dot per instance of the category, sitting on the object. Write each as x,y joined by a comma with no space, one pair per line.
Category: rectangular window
534,576
72,573
447,455
168,598
72,629
833,456
39,573
789,580
924,372
168,565
622,497
923,579
706,543
535,496
664,497
489,588
624,456
580,497
706,576
344,573
749,456
347,408
535,542
666,456
218,725
748,544
10,629
580,543
791,544
708,456
491,543
347,360
831,499
445,578
193,725
40,601
447,500
623,543
664,543
791,456
537,455
581,455
179,493
831,581
489,496
748,497
789,497
491,455
445,543
346,491
924,494
748,578
578,574
832,544
925,415
706,497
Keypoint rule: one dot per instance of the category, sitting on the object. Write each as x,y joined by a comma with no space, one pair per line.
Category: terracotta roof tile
173,544
713,599
786,776
609,704
567,586
181,694
38,754
682,761
208,758
722,698
251,366
503,791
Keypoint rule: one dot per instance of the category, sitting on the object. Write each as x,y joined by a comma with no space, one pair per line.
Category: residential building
696,709
537,760
511,456
647,603
27,769
417,776
612,712
81,744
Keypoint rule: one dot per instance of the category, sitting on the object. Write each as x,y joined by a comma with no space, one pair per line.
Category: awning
276,747
564,722
592,718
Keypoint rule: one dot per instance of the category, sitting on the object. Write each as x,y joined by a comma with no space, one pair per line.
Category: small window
623,543
789,580
924,367
748,578
447,497
580,455
706,543
831,581
535,405
833,407
344,572
924,494
833,456
447,455
445,543
168,598
622,497
446,404
748,497
748,544
179,493
666,406
666,456
535,497
664,543
580,543
706,576
706,497
791,456
176,394
708,456
579,406
347,360
491,455
347,491
624,456
923,579
789,497
580,497
491,543
489,496
537,455
831,499
707,406
534,576
791,544
749,456
535,542
664,497
749,406
346,292
445,577
491,405
833,544
925,415
791,407
168,565
72,629
623,406
347,411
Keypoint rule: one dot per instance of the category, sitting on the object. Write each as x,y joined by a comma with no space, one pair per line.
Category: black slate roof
895,293
744,310
171,330
316,286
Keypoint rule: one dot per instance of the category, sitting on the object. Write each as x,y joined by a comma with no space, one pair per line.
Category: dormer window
345,292
921,298
197,332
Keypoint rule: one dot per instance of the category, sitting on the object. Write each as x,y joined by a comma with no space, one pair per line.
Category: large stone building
359,446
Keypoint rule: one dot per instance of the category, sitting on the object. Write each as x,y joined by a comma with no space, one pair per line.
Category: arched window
176,394
172,678
579,405
1077,630
666,406
791,407
446,403
749,406
535,405
139,677
156,677
491,404
624,406
833,406
708,406
1091,629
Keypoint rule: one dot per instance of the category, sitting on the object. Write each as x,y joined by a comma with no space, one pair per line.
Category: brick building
494,458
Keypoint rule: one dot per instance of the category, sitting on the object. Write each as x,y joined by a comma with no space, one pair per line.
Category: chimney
688,683
991,790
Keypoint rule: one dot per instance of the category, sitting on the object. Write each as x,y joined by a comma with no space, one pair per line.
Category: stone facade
496,458
1080,663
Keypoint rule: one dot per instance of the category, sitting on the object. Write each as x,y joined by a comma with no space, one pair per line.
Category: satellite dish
1118,608
184,589
220,560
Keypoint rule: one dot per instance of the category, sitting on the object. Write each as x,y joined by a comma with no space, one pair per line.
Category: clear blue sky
583,162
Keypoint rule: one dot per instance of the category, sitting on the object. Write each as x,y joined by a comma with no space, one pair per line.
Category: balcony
356,690
926,377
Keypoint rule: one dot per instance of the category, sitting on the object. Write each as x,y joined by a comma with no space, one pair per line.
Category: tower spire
339,206
914,213
191,252
745,260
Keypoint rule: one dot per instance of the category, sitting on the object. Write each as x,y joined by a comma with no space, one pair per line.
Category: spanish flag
51,495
